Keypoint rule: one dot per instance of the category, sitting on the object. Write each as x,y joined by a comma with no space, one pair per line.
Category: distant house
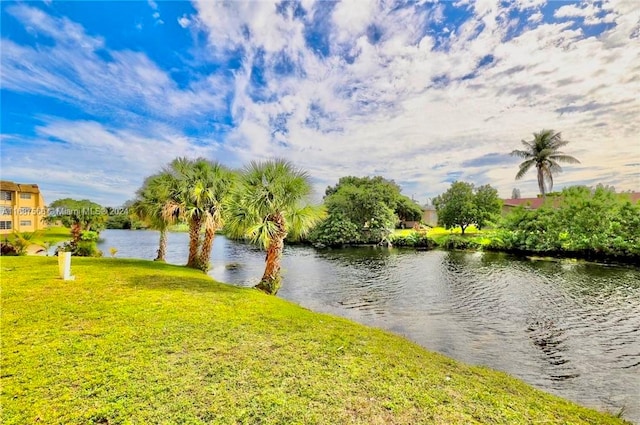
21,207
535,203
429,215
529,203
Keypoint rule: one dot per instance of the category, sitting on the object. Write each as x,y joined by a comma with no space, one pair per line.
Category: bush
336,230
87,249
9,249
414,239
581,222
89,236
80,249
459,242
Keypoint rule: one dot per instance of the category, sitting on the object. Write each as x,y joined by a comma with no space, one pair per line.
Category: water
571,329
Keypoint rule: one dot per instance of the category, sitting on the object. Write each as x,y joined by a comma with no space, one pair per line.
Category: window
5,195
25,222
5,225
5,211
24,211
25,196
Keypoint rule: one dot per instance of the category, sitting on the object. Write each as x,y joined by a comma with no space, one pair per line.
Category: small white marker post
64,265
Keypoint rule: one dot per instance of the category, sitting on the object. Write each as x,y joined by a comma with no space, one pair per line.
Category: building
528,203
22,208
429,215
535,203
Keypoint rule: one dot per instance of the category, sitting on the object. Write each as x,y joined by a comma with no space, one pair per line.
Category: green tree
457,207
77,215
544,153
488,205
372,204
407,210
463,205
150,205
199,188
335,230
266,207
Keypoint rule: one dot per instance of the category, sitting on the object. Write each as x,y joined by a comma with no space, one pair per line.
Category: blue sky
98,95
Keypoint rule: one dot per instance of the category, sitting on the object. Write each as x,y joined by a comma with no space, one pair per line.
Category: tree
456,206
544,153
462,205
407,210
152,199
488,205
335,230
515,194
79,216
198,190
373,205
266,207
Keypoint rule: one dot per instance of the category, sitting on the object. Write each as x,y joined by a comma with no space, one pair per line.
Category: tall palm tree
543,152
197,196
151,201
266,207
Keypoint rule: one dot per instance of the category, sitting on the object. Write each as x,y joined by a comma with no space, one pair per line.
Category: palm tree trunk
195,224
162,248
205,252
541,182
271,280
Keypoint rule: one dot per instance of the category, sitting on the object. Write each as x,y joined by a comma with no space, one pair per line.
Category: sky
95,96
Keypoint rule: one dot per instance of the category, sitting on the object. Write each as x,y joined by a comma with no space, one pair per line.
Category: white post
64,265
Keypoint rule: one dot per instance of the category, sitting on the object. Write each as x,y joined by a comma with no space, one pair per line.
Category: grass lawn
138,342
50,234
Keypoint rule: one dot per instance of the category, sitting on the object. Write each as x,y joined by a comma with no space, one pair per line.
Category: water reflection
569,328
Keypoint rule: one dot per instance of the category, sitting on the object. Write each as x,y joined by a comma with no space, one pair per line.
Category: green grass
138,342
51,234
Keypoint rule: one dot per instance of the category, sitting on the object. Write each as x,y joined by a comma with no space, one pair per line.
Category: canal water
569,328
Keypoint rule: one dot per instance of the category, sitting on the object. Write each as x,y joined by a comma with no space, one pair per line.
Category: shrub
459,242
87,249
9,249
89,236
414,239
588,223
80,249
335,230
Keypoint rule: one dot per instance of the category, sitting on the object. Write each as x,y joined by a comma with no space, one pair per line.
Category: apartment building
22,208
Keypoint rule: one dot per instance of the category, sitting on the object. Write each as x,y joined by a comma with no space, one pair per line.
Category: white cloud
389,98
88,158
184,22
535,17
591,12
127,82
382,113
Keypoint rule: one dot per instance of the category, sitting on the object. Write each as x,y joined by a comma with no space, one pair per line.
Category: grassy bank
139,342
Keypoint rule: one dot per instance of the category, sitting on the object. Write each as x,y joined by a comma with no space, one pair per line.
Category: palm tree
200,187
266,208
152,199
543,152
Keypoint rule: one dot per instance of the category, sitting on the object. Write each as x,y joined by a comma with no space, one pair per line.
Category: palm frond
520,153
524,168
301,220
564,158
